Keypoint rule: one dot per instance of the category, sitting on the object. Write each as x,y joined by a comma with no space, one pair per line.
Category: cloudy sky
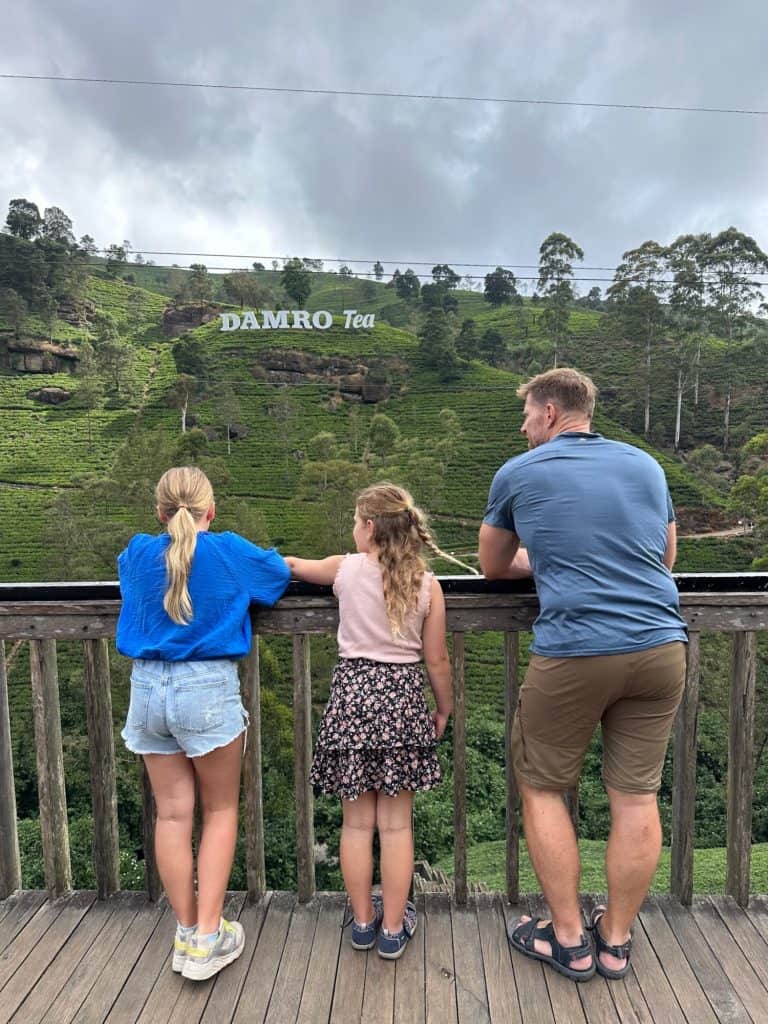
215,171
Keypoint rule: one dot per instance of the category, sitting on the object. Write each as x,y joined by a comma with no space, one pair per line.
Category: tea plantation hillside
45,449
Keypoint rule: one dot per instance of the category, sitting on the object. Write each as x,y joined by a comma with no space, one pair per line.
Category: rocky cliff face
179,319
36,355
355,380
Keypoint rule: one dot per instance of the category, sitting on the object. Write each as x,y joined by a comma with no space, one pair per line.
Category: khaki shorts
634,697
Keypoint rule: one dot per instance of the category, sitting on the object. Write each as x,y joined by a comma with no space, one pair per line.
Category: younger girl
376,743
184,620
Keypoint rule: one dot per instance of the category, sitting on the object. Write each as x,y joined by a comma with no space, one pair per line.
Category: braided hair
400,532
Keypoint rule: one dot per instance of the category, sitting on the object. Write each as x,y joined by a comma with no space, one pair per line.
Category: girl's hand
440,720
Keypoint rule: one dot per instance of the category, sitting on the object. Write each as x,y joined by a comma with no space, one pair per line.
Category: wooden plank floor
80,960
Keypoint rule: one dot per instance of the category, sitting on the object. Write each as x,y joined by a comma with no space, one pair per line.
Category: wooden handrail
45,613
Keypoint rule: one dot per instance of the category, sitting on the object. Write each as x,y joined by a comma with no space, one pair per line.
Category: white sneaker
206,959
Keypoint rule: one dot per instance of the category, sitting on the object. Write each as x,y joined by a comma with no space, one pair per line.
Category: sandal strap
620,952
532,930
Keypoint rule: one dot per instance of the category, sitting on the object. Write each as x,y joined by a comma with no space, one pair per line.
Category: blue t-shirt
594,517
227,574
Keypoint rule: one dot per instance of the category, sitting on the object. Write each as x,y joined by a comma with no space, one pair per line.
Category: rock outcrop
50,396
36,355
355,381
180,319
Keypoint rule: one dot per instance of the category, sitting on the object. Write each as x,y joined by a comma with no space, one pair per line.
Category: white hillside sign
292,319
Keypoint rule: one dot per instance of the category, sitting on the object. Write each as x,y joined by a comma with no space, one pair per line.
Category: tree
493,348
245,288
467,342
556,256
378,270
89,396
297,281
87,246
116,259
23,219
383,435
407,285
258,266
193,358
638,289
114,356
181,394
57,226
345,271
731,260
443,275
199,284
501,288
229,409
13,309
437,346
687,314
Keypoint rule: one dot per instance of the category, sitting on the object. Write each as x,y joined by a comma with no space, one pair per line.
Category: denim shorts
189,707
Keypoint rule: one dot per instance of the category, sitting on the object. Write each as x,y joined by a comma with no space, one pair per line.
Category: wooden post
511,670
741,742
50,766
302,748
684,778
10,862
459,772
254,799
148,818
101,758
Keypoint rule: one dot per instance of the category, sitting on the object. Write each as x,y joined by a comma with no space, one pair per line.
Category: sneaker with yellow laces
206,958
181,942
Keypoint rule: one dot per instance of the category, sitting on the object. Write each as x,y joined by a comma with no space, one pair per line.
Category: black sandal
524,935
601,946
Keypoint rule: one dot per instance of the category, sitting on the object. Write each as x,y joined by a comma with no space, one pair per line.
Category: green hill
44,449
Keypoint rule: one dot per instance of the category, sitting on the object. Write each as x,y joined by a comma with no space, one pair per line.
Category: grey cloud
390,178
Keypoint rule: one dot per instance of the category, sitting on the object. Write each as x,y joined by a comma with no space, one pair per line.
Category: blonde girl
184,621
376,743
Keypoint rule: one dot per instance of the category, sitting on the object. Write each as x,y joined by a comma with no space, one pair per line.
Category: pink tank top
364,630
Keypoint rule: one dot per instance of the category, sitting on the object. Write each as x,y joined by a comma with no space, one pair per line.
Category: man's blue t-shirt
227,574
594,516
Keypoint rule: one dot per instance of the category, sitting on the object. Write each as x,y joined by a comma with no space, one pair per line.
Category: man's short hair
569,390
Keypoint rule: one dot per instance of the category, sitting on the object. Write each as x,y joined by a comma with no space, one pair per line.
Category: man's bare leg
631,857
554,853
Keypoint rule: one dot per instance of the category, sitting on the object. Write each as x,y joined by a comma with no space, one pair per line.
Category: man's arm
671,553
500,554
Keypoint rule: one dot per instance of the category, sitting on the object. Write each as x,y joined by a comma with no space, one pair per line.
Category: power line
130,267
510,100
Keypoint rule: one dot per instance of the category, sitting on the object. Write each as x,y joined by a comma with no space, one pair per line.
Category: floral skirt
376,732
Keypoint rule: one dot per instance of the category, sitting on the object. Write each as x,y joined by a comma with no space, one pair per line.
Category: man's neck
573,425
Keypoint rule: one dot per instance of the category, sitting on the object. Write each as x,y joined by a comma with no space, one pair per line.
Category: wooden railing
45,613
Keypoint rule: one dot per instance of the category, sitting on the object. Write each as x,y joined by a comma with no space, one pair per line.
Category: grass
485,863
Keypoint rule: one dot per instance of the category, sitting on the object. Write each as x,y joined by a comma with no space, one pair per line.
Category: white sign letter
348,313
327,320
229,321
300,319
270,319
250,323
368,319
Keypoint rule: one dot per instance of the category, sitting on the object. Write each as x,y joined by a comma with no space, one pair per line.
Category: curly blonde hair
400,533
183,494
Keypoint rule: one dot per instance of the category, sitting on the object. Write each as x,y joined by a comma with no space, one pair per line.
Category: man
597,521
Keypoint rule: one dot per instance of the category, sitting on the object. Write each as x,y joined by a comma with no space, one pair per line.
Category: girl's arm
436,658
314,570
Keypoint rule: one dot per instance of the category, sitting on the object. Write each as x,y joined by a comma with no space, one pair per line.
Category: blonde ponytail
183,495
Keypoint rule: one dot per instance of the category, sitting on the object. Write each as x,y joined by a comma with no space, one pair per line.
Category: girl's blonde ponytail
183,494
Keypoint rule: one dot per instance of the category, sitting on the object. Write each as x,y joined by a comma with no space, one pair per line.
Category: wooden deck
84,960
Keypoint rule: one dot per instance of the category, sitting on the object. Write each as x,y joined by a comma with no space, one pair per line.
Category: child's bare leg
218,774
356,853
394,821
173,785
